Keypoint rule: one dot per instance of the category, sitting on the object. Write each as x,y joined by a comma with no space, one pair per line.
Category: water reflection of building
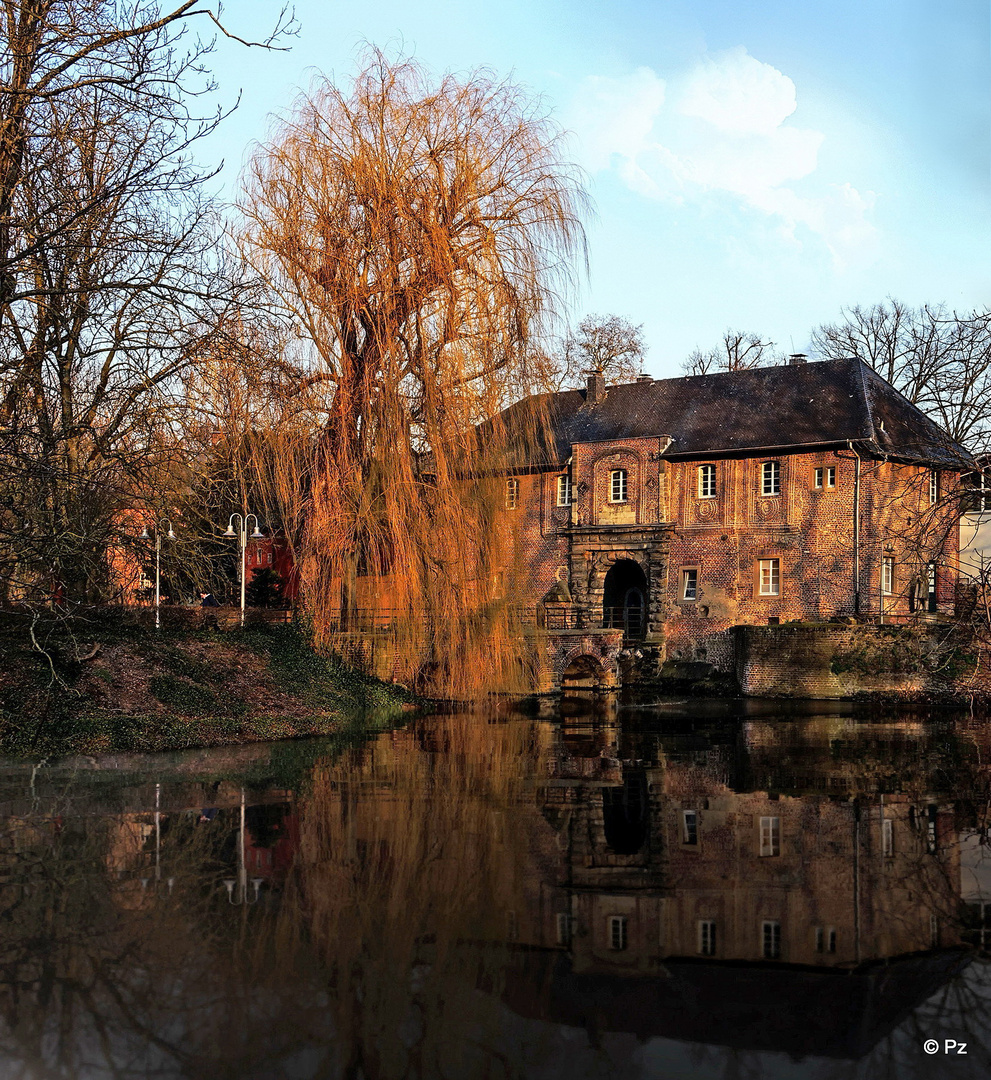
668,890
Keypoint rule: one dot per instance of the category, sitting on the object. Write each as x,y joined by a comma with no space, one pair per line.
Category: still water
667,890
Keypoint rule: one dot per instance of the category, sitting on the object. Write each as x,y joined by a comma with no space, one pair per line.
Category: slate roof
759,1007
824,403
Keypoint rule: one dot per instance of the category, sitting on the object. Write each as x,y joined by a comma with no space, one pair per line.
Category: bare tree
736,352
606,343
419,233
939,360
110,282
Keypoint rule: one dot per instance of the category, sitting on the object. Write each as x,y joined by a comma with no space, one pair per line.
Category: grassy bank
118,689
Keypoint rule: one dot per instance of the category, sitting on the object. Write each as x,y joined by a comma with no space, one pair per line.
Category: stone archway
625,598
583,672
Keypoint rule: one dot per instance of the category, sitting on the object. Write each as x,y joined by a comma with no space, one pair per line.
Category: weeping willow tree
420,234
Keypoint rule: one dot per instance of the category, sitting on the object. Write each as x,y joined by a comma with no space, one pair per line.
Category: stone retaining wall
830,661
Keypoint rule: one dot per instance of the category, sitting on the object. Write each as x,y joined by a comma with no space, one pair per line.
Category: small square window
770,836
690,827
769,577
617,486
689,583
825,477
707,937
707,481
770,478
617,932
512,494
564,490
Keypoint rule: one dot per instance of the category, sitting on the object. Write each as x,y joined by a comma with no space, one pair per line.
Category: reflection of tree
106,970
409,870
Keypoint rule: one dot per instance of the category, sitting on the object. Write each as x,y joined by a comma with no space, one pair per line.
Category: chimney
644,377
596,387
797,358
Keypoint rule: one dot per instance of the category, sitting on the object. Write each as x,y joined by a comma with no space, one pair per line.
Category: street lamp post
170,535
237,888
242,536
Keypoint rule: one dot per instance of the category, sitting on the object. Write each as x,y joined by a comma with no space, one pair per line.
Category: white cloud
737,93
723,129
617,114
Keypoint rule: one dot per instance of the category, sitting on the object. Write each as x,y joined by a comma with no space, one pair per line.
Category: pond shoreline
145,691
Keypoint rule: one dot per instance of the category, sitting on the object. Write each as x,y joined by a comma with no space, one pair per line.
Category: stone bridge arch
585,660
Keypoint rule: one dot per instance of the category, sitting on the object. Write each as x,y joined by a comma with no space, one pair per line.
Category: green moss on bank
139,690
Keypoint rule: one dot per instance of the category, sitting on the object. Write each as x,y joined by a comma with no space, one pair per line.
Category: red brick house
677,508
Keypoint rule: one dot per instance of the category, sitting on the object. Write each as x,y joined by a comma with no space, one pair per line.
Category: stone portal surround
593,550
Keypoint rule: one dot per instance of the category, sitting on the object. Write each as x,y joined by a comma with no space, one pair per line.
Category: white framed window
564,490
690,583
617,486
933,487
888,836
512,493
770,836
825,477
887,575
931,583
690,827
769,577
770,478
707,481
707,937
770,939
564,928
617,932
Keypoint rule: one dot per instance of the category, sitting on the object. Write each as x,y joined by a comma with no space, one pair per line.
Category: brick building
677,508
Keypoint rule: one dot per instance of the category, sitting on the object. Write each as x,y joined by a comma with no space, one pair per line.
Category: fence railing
629,620
552,617
110,616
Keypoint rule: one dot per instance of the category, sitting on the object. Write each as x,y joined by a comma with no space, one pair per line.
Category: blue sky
753,166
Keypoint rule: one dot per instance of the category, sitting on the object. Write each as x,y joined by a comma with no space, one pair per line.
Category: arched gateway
624,598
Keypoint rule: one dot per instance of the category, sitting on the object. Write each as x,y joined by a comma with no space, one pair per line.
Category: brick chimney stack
797,358
596,387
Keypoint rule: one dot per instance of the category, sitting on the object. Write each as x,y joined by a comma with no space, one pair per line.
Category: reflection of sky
754,166
975,868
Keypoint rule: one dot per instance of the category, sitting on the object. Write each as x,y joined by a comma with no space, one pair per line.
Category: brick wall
803,533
